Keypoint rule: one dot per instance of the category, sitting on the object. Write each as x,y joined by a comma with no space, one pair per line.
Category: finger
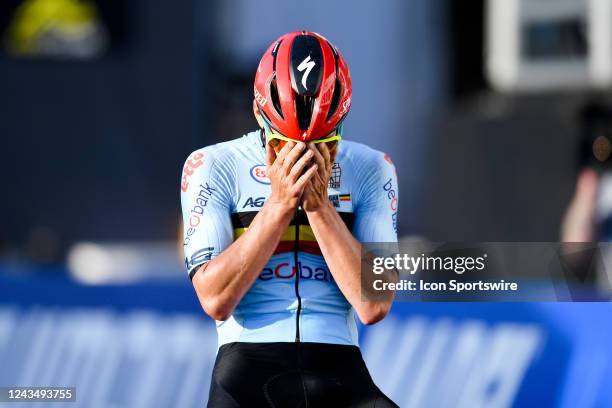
325,152
304,178
270,155
281,156
324,169
316,183
299,166
307,190
318,157
318,180
293,156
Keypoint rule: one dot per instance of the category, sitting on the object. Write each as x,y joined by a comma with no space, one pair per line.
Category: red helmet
303,86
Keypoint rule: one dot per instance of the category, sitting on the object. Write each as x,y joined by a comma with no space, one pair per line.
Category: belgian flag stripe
244,219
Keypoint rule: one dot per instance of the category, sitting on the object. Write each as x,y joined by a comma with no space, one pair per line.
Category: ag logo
258,172
307,65
257,202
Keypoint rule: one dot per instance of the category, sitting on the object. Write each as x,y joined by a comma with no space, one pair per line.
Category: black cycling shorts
292,375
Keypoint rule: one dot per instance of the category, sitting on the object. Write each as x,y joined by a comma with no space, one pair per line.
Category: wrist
281,211
325,208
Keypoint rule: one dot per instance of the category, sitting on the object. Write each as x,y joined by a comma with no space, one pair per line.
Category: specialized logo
192,163
254,202
307,64
259,174
392,196
345,106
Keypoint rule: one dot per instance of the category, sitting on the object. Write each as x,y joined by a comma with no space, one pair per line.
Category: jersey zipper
296,248
296,260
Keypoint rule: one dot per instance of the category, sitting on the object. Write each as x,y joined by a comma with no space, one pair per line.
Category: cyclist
272,228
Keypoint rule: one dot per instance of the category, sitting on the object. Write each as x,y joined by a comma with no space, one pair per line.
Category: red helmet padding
287,124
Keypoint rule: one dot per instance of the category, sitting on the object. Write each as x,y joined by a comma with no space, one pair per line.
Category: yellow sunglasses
273,135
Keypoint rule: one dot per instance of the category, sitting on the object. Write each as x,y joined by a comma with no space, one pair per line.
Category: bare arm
222,282
342,252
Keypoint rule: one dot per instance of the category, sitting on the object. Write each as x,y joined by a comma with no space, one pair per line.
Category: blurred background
497,114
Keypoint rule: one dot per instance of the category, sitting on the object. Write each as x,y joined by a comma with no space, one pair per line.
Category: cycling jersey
295,297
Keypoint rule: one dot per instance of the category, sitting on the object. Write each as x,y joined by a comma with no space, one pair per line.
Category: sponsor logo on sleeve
392,197
259,174
197,211
388,159
193,162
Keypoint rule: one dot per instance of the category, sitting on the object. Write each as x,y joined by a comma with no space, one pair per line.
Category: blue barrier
150,345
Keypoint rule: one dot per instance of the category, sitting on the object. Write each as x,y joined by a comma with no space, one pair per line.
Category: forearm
222,282
342,253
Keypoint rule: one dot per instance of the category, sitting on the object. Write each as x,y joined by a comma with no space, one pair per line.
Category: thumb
270,155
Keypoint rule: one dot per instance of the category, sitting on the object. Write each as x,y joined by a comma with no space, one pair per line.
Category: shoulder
224,152
364,158
217,160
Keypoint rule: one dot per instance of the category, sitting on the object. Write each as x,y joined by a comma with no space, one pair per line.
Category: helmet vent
304,106
274,52
306,65
333,106
335,53
275,98
275,49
